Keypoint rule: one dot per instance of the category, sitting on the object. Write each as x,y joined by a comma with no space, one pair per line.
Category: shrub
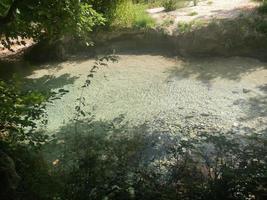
142,19
27,175
261,26
18,115
263,7
170,5
128,14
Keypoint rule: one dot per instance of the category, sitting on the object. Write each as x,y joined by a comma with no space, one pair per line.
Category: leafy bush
19,113
263,7
24,172
261,26
50,19
170,5
185,27
142,19
128,14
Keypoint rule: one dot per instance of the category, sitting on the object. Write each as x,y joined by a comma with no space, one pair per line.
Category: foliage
263,7
35,181
142,19
169,5
4,7
20,142
18,115
261,26
185,27
167,22
106,7
128,15
49,19
159,3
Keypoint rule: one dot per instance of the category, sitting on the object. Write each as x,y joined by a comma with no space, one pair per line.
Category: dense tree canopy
42,19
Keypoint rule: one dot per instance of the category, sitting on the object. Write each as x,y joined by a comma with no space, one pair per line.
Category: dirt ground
205,10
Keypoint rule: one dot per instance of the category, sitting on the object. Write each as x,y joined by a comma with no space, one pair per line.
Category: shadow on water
10,69
111,160
23,68
263,88
255,107
50,82
207,69
75,137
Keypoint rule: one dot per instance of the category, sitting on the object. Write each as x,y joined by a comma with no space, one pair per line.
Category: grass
129,15
170,5
167,22
185,27
144,21
133,15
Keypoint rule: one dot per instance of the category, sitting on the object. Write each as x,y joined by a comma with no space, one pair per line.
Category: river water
223,93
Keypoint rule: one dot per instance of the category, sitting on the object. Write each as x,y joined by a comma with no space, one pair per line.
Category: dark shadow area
10,69
255,107
21,69
49,82
140,44
258,106
206,70
110,159
263,88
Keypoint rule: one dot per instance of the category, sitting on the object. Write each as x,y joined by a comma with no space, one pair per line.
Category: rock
235,124
235,92
246,90
236,103
189,116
